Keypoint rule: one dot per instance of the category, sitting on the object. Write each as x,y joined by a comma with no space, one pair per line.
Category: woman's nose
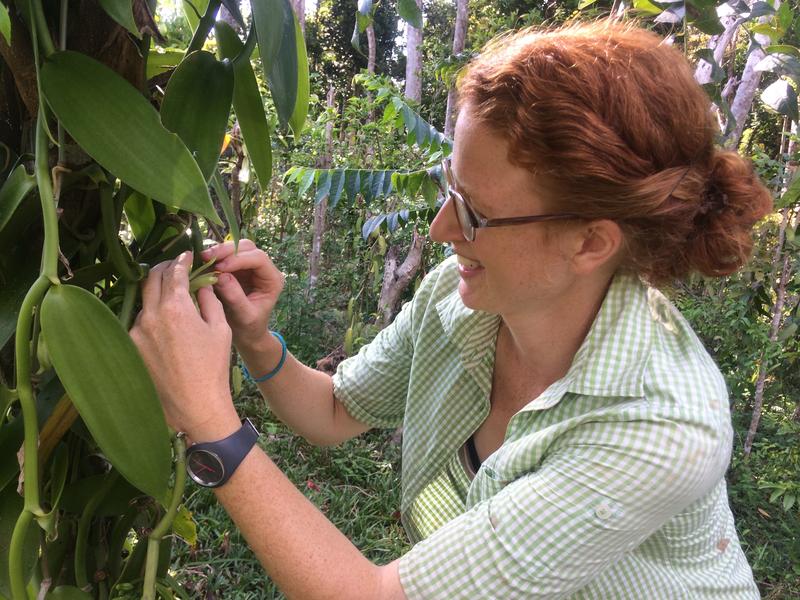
445,227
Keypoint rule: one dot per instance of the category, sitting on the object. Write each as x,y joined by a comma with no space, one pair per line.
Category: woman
566,434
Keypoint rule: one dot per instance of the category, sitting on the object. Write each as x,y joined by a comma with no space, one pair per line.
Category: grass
356,485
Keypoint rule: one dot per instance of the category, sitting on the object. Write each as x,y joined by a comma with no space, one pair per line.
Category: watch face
205,467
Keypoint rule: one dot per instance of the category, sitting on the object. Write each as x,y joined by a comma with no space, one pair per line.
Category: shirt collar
611,361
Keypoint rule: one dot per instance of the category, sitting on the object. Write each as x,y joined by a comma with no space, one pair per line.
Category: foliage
132,174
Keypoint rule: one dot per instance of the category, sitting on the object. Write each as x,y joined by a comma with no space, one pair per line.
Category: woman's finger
151,287
222,251
230,291
175,280
210,307
254,260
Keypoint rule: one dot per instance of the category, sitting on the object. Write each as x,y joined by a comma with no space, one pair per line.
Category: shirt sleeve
599,493
373,384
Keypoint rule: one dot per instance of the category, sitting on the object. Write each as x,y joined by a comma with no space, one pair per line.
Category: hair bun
732,202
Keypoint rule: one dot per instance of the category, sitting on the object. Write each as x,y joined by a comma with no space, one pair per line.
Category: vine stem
163,527
247,49
204,27
49,215
15,567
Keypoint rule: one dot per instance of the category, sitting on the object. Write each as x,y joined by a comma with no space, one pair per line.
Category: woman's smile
468,268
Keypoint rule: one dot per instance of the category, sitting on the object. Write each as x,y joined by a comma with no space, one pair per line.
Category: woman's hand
249,286
186,352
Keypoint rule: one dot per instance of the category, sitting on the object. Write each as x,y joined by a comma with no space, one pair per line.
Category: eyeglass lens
465,219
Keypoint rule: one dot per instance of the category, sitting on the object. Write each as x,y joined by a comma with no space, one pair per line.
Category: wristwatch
211,464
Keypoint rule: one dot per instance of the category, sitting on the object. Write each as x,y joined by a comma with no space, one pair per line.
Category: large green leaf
227,208
110,386
161,62
298,119
247,104
11,505
268,18
194,10
140,214
122,12
196,105
283,76
14,189
119,128
5,23
410,12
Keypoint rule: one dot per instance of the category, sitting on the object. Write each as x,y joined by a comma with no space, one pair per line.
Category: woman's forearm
299,548
300,396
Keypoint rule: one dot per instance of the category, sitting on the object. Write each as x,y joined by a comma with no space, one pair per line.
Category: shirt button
603,511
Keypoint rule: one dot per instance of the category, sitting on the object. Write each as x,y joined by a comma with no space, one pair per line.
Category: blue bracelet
274,371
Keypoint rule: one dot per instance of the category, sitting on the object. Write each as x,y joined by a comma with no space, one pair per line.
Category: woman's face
511,269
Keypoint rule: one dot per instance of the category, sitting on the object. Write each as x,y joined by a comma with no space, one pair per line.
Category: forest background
345,217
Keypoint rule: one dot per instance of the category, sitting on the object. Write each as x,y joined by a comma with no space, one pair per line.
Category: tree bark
748,86
371,49
396,279
782,267
413,59
459,37
321,207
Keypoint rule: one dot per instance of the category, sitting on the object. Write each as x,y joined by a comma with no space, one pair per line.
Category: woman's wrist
262,356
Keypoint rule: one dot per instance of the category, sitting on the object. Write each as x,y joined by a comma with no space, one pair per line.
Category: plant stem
62,45
197,244
204,27
247,50
49,215
83,529
40,23
22,359
164,525
15,567
111,232
128,304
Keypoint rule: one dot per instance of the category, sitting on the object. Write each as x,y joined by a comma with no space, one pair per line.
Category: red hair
612,123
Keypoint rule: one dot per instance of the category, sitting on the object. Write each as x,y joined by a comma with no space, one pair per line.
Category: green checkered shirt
609,485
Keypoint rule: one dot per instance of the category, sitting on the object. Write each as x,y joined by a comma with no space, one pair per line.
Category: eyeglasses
470,219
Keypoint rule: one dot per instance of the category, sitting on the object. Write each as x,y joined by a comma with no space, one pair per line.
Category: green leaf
196,106
5,23
269,18
429,191
119,128
122,12
298,119
116,502
140,214
781,97
337,185
247,104
647,7
366,185
410,12
13,191
68,592
184,526
283,75
377,183
788,501
194,10
306,179
11,505
323,185
352,183
227,208
162,61
585,4
783,48
109,385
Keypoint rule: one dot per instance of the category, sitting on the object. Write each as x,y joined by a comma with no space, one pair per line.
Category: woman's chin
470,296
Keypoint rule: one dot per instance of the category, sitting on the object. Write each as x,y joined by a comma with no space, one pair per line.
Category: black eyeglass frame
476,220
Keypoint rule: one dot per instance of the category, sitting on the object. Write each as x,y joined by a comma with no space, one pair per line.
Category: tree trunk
459,36
413,60
396,279
320,208
748,86
782,267
371,49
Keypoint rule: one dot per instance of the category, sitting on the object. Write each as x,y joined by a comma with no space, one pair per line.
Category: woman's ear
598,244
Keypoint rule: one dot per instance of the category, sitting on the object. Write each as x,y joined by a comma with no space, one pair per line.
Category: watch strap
230,450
